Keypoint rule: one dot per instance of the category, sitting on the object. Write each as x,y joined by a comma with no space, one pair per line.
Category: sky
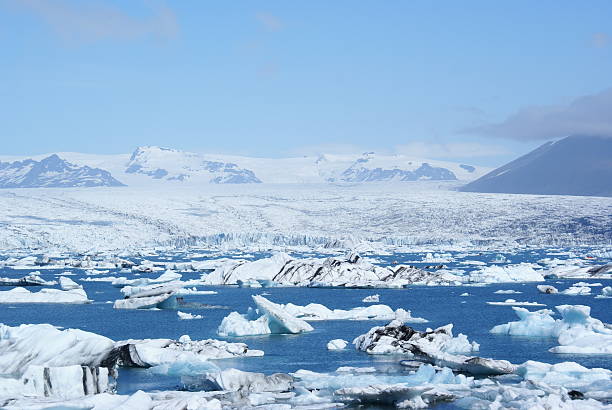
472,80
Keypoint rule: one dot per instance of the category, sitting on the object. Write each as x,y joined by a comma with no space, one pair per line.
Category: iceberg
43,361
347,271
522,272
248,382
577,332
371,299
188,316
273,320
149,296
606,292
160,352
577,290
22,295
68,284
434,346
32,279
236,324
337,344
547,289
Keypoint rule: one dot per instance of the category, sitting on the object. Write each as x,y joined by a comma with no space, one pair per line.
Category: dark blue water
440,305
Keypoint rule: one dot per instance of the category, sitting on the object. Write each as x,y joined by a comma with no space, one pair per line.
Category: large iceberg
22,295
150,296
41,360
160,352
437,346
348,271
577,332
273,320
522,272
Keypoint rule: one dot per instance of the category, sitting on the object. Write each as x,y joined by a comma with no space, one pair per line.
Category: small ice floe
512,302
597,284
22,295
195,291
507,292
548,289
371,299
188,316
465,294
337,344
577,332
606,292
577,291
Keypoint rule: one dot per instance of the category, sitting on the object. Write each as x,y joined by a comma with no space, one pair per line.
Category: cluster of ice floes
273,318
349,271
352,270
78,370
577,332
44,361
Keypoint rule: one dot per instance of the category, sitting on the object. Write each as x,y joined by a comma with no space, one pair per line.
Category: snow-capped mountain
154,165
571,166
369,168
52,172
175,165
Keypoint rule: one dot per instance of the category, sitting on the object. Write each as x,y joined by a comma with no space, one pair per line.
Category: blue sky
447,79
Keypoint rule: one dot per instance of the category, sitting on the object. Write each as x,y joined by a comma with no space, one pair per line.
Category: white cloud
86,21
588,115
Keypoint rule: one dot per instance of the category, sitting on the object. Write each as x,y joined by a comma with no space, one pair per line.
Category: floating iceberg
168,276
522,272
150,296
435,346
273,320
164,352
337,344
236,324
577,332
22,295
547,289
33,279
68,284
188,316
41,360
606,292
348,271
371,299
577,290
